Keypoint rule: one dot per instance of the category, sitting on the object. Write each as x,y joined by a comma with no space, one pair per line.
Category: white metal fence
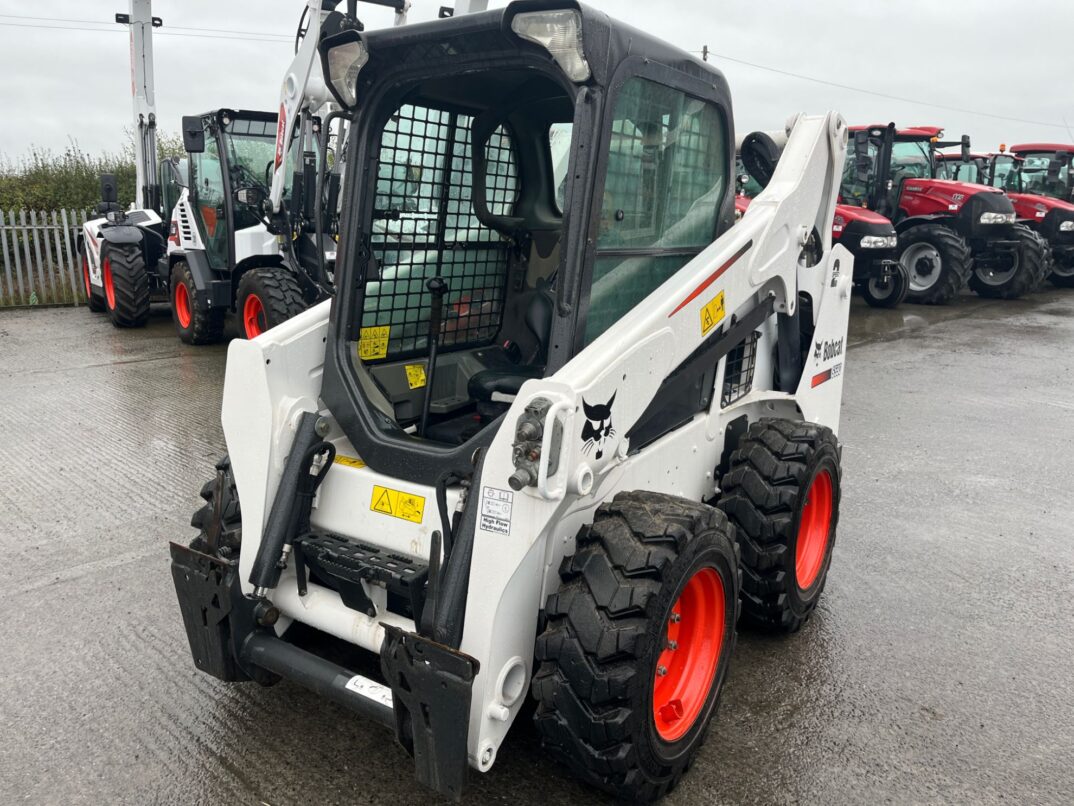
39,261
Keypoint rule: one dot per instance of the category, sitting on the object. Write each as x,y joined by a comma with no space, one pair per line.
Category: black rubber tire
1047,265
1062,272
1032,268
763,493
279,292
206,325
229,517
956,262
130,283
606,628
892,295
94,300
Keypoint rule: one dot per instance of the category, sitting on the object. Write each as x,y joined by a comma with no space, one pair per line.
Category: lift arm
141,22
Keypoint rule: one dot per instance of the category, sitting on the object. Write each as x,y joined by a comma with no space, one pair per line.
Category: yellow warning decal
415,375
712,314
398,504
373,342
349,461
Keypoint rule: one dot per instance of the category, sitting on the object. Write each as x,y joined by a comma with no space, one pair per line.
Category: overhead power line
172,30
918,102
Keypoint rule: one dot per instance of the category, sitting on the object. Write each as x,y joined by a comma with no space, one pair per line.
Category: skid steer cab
562,423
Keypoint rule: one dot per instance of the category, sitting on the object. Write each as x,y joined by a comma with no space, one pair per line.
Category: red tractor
950,232
1037,177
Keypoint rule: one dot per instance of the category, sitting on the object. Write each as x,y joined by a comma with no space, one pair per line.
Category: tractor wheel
1024,273
196,325
267,297
126,284
637,643
94,300
886,292
937,262
782,494
220,527
1062,271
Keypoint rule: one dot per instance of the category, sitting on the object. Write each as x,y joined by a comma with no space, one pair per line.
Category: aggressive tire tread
206,324
955,257
278,290
761,495
596,651
1032,269
131,284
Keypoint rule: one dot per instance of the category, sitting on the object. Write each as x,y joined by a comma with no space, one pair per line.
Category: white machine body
523,535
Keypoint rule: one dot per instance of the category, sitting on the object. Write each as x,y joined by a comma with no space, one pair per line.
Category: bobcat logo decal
817,349
598,426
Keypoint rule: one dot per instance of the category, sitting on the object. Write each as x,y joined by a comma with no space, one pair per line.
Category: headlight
1066,226
997,218
342,57
558,32
879,241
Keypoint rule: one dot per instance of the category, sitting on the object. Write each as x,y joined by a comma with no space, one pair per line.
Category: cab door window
207,192
666,176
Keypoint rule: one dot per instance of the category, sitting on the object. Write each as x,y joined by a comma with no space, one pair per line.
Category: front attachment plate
431,688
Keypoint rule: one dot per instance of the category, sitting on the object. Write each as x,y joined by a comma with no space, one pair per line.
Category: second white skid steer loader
556,431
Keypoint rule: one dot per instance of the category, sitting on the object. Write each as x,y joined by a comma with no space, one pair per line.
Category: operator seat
507,381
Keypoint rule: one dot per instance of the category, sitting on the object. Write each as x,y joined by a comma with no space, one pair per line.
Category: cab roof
607,43
910,133
1052,147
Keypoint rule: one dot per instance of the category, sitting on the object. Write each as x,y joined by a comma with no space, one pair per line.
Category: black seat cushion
506,381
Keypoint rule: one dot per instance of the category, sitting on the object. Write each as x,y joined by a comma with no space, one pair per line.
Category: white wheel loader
535,447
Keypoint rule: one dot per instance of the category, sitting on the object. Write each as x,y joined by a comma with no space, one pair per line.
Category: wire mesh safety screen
738,374
424,226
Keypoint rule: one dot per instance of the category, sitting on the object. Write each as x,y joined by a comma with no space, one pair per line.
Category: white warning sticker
370,689
496,508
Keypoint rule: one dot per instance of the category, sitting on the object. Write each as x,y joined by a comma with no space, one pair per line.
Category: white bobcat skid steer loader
536,446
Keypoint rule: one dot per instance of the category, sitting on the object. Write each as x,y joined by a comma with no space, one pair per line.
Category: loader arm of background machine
304,87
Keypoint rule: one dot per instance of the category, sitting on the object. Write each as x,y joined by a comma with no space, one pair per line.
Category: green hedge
45,179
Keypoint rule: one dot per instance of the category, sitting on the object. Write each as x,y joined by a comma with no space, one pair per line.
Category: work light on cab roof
560,33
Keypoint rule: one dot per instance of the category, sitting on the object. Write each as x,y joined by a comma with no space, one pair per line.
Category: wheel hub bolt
661,670
675,618
673,645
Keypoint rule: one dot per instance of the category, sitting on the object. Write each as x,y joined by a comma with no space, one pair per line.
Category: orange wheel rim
253,316
109,288
85,276
814,530
686,668
182,305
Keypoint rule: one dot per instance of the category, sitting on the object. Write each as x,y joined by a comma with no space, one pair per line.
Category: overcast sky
1007,59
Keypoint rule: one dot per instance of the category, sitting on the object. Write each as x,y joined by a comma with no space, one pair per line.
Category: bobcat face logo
817,349
598,427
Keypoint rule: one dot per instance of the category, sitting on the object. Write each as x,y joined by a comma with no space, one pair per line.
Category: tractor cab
507,203
1042,169
956,167
229,152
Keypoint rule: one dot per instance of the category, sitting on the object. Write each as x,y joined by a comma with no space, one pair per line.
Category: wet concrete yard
937,669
